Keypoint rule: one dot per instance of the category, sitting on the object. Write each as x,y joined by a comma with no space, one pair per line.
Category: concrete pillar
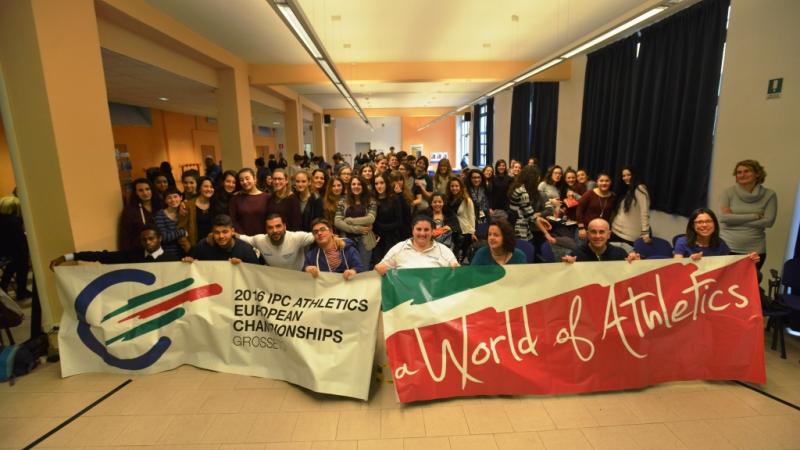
330,140
55,110
235,119
293,115
319,135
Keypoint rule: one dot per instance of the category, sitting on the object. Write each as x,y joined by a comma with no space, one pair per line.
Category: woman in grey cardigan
747,209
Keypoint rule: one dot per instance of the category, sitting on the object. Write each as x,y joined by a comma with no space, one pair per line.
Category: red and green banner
559,328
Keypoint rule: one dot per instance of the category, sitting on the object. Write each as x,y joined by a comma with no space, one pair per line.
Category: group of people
388,211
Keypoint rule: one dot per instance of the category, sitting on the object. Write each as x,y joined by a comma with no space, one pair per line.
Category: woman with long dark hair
319,181
355,215
249,208
501,181
476,186
392,219
223,192
527,207
702,238
445,222
137,214
597,202
632,220
553,188
199,214
460,203
284,202
334,193
310,203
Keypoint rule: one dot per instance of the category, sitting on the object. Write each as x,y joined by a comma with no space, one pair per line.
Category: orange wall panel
437,138
146,145
7,181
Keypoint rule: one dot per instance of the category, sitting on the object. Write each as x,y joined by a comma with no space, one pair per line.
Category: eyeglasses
703,222
320,230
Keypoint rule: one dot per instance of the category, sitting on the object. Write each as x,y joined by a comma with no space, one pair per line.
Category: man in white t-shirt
281,248
418,252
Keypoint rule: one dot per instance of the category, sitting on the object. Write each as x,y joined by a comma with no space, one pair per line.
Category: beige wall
502,124
763,39
570,107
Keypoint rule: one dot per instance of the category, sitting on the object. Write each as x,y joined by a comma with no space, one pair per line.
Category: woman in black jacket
393,218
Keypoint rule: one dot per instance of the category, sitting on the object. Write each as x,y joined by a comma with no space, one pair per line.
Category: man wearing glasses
331,253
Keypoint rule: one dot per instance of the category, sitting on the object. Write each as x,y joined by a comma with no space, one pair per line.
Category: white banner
244,319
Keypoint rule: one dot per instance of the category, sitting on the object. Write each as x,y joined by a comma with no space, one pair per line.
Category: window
462,140
482,134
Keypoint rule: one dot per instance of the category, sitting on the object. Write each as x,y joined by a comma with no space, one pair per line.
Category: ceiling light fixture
292,15
164,99
619,29
614,31
541,68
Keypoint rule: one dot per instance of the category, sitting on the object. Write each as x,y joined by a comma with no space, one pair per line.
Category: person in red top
284,202
597,202
249,208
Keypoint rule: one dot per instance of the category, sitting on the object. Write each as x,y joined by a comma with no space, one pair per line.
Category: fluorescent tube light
298,28
501,88
631,23
328,70
541,68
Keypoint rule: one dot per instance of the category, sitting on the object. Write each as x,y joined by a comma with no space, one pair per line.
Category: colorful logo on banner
489,330
159,309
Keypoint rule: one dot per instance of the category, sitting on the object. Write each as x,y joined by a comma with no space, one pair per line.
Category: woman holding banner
702,238
420,251
500,249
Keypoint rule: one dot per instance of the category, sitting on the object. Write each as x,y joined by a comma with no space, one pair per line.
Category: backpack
18,360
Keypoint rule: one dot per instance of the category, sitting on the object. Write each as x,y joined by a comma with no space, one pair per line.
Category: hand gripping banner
244,319
559,328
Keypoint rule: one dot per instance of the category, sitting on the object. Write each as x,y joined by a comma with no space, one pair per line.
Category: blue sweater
682,248
170,233
349,254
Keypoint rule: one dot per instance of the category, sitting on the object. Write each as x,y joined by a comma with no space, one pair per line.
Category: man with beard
281,248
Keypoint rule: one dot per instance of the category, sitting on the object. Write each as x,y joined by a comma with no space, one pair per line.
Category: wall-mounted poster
124,170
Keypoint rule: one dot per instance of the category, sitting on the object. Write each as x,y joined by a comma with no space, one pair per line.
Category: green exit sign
774,88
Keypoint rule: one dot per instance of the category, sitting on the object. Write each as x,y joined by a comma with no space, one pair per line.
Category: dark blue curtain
476,133
489,130
656,111
544,125
519,143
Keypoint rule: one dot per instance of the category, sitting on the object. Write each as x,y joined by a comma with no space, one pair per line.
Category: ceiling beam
389,112
400,72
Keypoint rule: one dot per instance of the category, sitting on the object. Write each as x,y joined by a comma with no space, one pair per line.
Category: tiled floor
197,409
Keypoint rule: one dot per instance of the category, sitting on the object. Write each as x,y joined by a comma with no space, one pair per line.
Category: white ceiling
395,95
376,31
408,30
133,82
